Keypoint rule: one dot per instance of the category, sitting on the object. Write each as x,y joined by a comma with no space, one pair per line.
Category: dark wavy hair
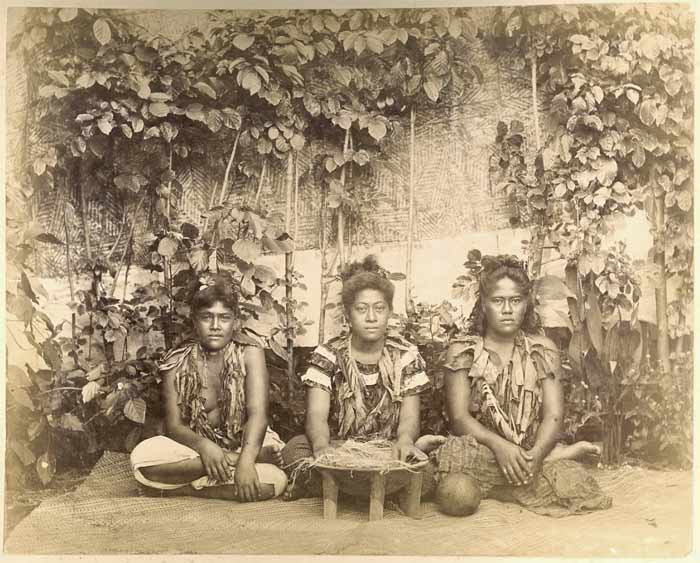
220,288
494,269
365,274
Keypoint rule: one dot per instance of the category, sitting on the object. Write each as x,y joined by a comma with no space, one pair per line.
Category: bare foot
429,442
271,454
576,451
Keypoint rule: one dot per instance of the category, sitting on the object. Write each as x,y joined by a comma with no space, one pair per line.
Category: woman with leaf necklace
505,403
365,384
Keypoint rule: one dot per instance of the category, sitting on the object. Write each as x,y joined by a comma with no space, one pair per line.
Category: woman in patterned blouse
364,384
505,404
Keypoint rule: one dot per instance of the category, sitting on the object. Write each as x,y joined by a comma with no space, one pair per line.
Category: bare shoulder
254,357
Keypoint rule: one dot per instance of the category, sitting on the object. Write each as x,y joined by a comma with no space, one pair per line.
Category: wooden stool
409,498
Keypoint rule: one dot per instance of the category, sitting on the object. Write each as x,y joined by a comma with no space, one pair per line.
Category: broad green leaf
198,259
431,89
594,323
647,112
359,45
151,132
49,238
195,112
311,104
649,46
59,77
17,378
638,156
673,87
548,288
129,60
90,391
83,117
594,122
265,275
455,28
439,65
246,250
243,41
375,44
102,31
215,120
204,88
632,95
105,126
135,410
22,450
684,199
167,247
159,109
126,131
71,422
247,286
331,23
278,349
160,97
39,166
144,91
35,429
361,157
356,20
297,141
250,80
598,94
67,14
377,129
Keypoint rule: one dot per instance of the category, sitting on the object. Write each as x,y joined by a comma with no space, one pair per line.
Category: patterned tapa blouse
365,398
507,398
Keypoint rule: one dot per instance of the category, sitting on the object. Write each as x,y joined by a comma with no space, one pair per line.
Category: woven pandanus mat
107,514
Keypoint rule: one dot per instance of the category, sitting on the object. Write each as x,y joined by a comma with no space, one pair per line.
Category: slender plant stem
341,213
224,187
538,238
131,237
260,183
411,212
662,342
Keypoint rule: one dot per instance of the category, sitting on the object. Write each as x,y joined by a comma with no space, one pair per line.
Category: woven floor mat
107,514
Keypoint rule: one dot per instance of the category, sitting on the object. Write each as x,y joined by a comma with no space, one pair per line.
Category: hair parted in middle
213,288
494,269
365,274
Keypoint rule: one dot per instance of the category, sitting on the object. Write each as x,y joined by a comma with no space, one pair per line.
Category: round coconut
458,495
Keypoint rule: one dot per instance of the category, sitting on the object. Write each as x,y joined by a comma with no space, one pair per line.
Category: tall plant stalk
324,266
411,210
538,234
84,212
341,213
70,268
260,183
288,277
128,242
224,187
661,292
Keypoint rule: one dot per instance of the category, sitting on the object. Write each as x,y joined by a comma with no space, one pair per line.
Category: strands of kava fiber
354,455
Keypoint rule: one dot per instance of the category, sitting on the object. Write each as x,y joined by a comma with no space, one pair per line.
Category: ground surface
106,514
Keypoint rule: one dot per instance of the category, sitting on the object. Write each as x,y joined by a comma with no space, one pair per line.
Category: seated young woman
215,392
505,405
365,384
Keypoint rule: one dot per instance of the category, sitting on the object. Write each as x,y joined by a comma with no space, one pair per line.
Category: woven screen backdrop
453,189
